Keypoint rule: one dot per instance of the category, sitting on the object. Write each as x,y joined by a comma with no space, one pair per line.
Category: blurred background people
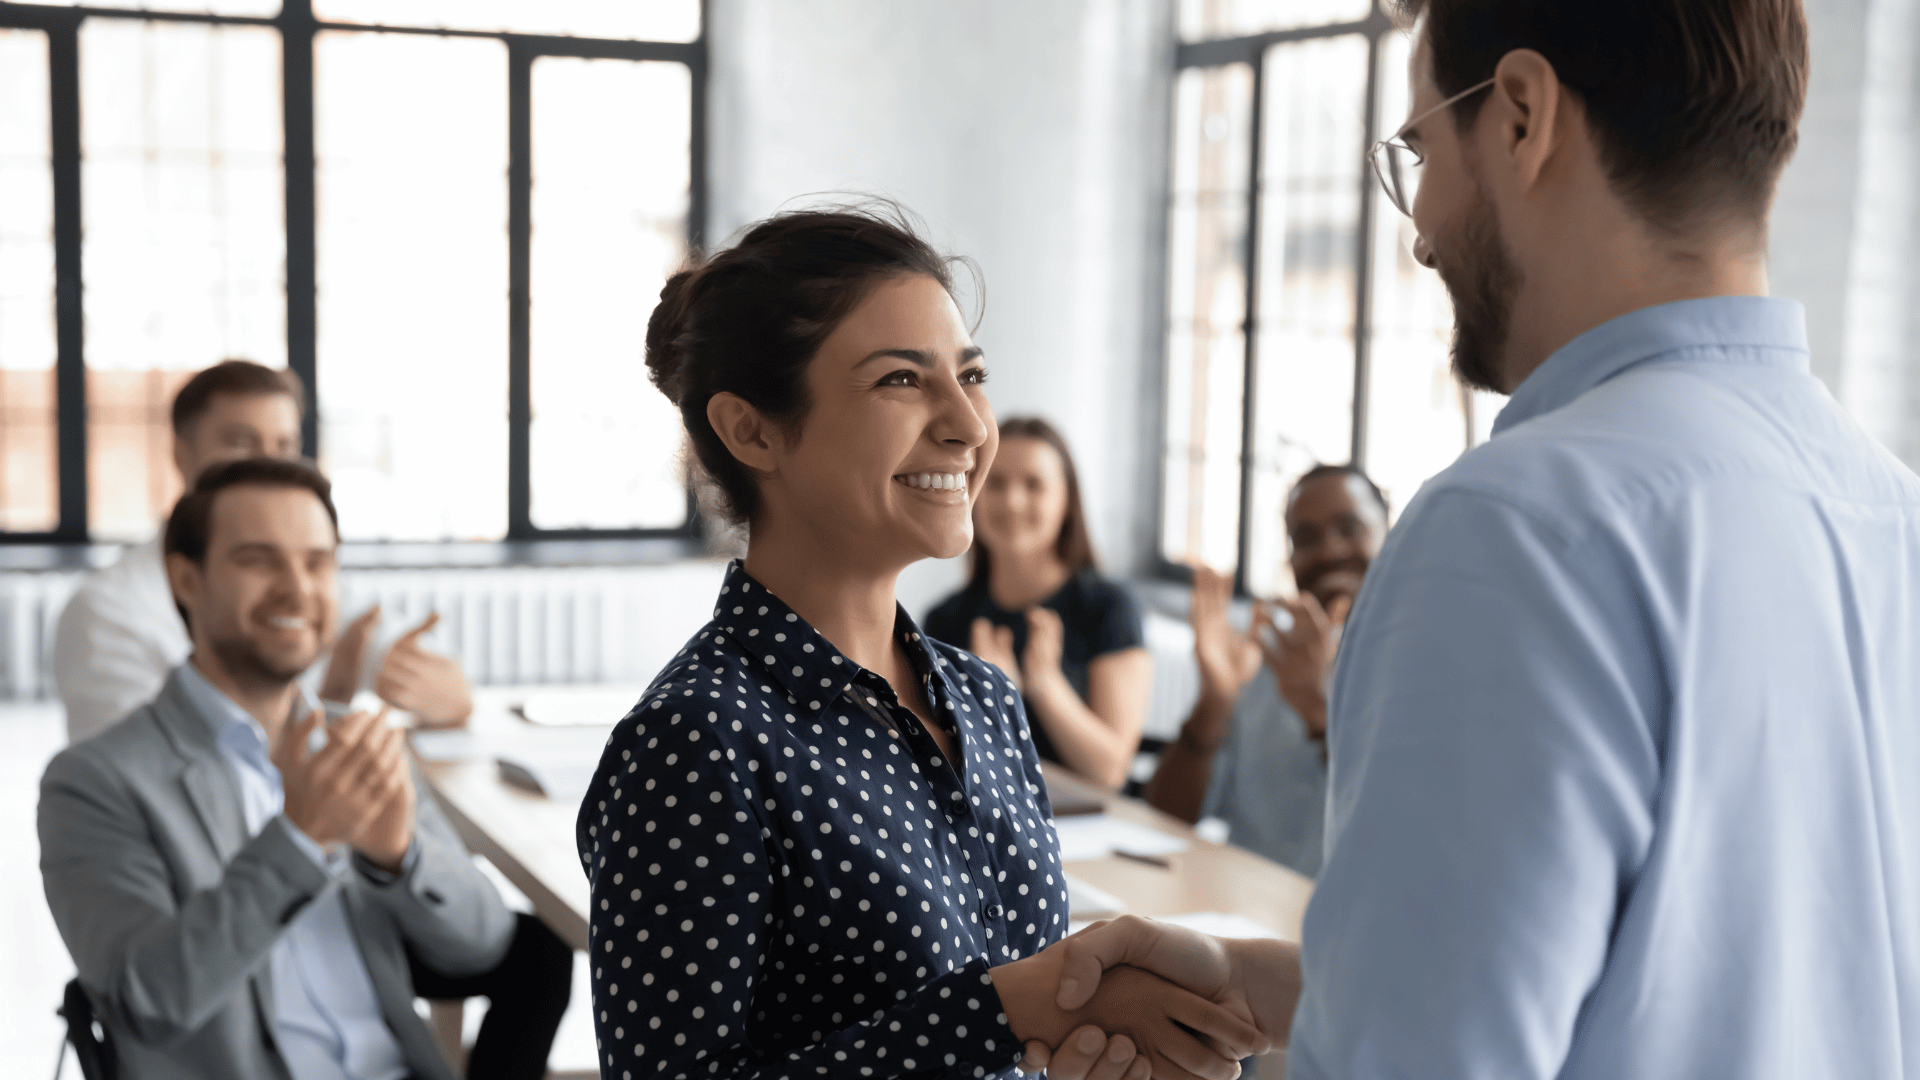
1037,607
120,633
240,904
1253,752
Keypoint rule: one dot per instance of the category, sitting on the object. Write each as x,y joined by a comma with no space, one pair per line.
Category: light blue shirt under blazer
1625,775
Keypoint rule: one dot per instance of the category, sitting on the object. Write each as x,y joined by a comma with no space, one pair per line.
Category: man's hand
1088,1054
1257,977
349,657
994,644
333,794
1228,659
1302,655
1159,1018
428,685
385,836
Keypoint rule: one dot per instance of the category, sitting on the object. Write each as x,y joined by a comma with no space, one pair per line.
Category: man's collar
805,664
221,712
1766,329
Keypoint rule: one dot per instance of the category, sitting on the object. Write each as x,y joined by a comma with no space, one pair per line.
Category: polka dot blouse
790,880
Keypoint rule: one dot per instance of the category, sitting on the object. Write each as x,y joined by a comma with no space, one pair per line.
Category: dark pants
527,994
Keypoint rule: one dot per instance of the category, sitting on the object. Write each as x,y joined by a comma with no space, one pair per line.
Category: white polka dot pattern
790,881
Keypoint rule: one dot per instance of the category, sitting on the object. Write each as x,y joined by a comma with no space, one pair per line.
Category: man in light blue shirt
1625,730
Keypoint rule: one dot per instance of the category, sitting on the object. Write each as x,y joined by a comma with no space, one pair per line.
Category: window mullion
1250,328
519,289
70,365
297,30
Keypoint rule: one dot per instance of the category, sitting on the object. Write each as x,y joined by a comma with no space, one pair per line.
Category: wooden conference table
530,839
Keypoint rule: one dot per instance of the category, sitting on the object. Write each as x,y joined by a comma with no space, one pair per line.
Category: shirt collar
1764,330
806,665
225,716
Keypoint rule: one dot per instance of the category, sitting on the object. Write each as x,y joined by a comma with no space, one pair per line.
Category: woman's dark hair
747,320
1694,104
1074,545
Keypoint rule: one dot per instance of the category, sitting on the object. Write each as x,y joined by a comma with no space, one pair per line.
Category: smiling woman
820,842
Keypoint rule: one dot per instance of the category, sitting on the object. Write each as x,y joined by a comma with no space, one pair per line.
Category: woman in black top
819,845
1038,608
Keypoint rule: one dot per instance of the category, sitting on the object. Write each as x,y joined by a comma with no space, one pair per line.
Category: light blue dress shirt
1626,736
1270,779
326,1014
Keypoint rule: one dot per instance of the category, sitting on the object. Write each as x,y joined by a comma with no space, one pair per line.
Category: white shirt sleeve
116,640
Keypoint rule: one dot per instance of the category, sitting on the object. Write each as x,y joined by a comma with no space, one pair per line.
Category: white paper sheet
1095,836
1086,900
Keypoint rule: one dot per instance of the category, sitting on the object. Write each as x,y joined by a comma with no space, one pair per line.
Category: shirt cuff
985,1044
307,844
378,875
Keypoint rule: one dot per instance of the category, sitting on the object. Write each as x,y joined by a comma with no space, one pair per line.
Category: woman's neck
850,603
1018,582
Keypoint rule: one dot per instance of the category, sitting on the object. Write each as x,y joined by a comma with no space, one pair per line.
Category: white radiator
506,626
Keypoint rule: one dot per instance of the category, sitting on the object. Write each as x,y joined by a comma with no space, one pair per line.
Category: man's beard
1483,282
251,669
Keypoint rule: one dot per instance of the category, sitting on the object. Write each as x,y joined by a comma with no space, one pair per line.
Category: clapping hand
1227,657
337,794
994,644
426,684
1302,655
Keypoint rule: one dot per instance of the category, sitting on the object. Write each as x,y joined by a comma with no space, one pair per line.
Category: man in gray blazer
248,890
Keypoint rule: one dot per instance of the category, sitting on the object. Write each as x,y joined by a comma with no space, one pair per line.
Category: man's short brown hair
1694,104
232,377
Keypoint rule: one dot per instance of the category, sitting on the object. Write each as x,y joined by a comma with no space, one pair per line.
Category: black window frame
298,26
1251,49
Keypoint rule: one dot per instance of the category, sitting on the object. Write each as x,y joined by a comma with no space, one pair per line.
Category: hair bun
666,333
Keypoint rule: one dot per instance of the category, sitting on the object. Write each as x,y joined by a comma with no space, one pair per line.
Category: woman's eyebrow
920,357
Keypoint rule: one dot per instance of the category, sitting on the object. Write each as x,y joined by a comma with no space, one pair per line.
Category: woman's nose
1423,251
962,419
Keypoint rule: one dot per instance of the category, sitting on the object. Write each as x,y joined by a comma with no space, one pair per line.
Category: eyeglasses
1398,164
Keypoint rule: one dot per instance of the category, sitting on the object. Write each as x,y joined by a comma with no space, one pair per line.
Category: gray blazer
171,911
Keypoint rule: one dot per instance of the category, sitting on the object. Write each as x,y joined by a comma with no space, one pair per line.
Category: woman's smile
936,483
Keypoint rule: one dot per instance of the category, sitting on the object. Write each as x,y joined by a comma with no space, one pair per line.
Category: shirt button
996,911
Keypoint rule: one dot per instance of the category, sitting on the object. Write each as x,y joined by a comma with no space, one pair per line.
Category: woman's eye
903,377
973,376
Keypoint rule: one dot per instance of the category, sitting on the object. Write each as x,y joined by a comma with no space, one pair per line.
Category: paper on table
1095,836
578,706
1221,924
1216,923
1085,899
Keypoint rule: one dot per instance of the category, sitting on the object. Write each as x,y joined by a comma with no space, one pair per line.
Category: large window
1299,328
450,217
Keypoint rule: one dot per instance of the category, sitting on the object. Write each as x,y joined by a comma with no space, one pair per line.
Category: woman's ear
750,437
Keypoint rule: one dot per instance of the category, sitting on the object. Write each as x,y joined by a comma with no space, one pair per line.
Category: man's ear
1527,104
750,437
185,579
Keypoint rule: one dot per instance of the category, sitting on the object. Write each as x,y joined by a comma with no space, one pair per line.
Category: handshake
1131,998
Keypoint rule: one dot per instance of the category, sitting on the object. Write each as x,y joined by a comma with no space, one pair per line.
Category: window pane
264,9
1312,159
1419,418
410,133
1201,20
185,248
651,20
611,145
29,466
1206,314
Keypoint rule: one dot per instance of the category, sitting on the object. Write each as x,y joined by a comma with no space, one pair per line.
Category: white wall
1846,223
1028,135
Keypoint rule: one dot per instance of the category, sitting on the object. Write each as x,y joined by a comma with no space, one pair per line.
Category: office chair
88,1038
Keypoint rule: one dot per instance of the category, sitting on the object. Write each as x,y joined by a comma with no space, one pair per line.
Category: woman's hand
1257,977
426,684
1040,666
994,644
1151,1012
1088,1054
